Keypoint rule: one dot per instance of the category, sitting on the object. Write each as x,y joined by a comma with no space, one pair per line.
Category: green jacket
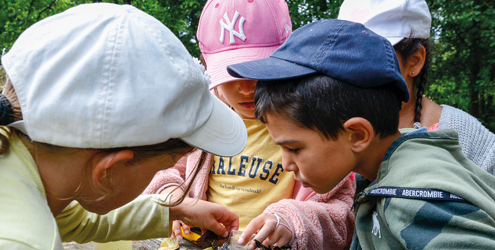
427,195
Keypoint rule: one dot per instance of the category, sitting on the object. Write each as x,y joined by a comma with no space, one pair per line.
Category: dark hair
323,104
406,47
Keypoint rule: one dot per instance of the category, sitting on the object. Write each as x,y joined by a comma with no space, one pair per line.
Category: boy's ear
108,161
416,61
360,133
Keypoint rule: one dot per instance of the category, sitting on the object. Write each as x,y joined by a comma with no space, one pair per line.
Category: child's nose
288,164
247,87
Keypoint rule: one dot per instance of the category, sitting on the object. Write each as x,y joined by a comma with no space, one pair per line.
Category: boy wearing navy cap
330,97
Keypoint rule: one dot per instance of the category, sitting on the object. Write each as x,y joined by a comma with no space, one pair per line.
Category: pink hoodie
319,221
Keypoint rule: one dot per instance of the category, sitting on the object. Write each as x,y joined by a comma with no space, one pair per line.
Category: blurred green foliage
463,38
463,69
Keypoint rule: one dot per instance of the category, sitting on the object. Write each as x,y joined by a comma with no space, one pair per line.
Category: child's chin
316,189
320,190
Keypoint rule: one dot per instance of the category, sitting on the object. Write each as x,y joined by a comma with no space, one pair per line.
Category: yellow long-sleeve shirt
26,221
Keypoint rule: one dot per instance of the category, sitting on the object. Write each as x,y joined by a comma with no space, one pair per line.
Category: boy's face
239,95
318,163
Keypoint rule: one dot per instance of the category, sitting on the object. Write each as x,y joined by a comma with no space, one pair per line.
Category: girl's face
405,74
239,94
126,182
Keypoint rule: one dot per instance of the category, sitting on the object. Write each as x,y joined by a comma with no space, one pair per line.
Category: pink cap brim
217,63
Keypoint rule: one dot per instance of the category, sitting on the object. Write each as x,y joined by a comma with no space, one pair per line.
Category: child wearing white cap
254,184
332,93
406,24
98,99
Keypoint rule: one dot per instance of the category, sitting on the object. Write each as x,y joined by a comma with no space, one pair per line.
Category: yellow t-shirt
250,181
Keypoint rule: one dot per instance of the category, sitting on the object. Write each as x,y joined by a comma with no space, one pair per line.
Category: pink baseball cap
236,31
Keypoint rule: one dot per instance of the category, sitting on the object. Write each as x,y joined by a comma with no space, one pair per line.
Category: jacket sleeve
174,176
322,221
143,218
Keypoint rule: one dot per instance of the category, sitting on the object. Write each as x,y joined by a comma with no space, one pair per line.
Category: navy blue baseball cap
341,49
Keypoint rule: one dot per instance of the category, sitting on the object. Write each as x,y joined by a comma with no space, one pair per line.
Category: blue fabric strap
416,193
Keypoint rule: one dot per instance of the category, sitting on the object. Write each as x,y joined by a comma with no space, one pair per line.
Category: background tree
463,73
17,15
463,38
180,16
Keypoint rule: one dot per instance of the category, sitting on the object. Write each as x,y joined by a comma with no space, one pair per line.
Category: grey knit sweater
477,142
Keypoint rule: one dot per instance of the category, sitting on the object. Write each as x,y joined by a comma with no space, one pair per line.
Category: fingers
205,215
225,221
231,221
266,235
186,228
213,217
176,232
277,238
253,226
269,233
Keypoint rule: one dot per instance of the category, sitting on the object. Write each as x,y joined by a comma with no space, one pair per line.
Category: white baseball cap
105,76
392,19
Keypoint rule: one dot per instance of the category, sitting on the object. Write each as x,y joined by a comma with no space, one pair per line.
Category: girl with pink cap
253,184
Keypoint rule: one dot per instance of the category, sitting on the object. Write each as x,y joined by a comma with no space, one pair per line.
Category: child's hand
206,215
177,193
176,231
272,231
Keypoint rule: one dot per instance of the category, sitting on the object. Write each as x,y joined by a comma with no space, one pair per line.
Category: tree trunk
475,55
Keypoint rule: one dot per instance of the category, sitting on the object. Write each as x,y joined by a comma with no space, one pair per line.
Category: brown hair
8,91
406,47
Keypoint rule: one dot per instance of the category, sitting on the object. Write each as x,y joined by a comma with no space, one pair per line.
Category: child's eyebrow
284,142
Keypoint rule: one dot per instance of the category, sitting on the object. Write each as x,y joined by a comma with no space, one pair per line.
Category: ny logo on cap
230,27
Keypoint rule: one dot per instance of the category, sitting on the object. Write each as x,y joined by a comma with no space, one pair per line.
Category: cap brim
269,69
216,63
394,40
223,134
